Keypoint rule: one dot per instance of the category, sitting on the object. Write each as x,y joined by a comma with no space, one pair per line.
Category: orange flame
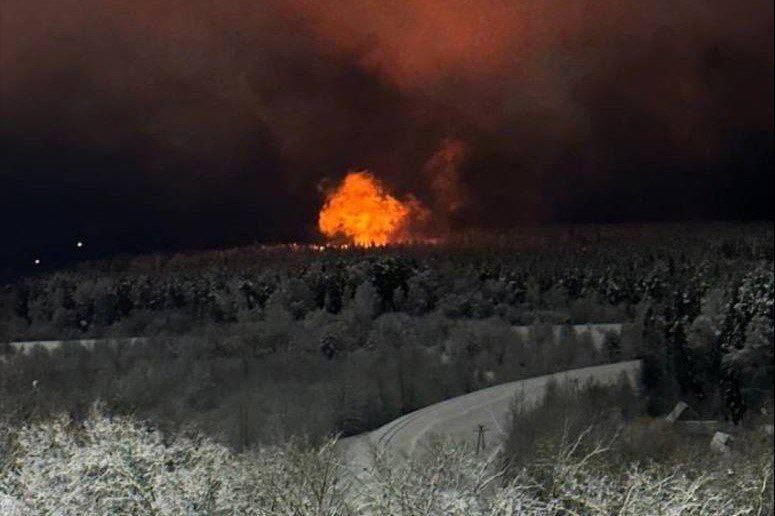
362,211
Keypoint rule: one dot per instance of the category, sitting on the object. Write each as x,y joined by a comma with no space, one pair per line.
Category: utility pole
480,442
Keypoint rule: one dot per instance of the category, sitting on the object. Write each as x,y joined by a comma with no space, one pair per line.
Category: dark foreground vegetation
256,345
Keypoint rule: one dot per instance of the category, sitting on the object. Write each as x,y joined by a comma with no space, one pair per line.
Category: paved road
459,418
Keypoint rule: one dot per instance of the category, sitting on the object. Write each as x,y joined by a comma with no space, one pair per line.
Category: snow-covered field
89,344
597,332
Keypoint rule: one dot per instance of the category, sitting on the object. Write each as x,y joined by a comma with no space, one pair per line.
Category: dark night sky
138,125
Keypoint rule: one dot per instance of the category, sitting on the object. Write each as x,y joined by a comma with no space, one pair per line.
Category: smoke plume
216,120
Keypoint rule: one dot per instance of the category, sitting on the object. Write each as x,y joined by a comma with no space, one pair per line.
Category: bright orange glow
364,213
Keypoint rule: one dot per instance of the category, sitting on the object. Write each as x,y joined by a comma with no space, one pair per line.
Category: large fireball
363,212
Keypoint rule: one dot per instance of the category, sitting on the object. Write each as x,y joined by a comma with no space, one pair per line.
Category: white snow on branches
121,466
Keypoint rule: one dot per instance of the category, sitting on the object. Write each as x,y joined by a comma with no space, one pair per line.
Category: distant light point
79,244
37,261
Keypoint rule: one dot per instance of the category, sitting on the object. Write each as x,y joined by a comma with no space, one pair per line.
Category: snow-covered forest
247,350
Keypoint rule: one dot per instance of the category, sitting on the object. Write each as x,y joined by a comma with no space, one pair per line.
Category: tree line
260,343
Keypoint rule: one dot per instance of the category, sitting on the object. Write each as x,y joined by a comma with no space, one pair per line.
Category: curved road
459,418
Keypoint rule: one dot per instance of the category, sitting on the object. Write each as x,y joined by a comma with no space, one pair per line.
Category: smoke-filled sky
160,124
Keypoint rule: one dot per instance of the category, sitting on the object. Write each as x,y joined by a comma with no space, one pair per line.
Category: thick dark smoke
142,124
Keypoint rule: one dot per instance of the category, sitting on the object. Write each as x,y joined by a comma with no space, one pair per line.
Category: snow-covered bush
449,480
575,479
115,466
120,466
